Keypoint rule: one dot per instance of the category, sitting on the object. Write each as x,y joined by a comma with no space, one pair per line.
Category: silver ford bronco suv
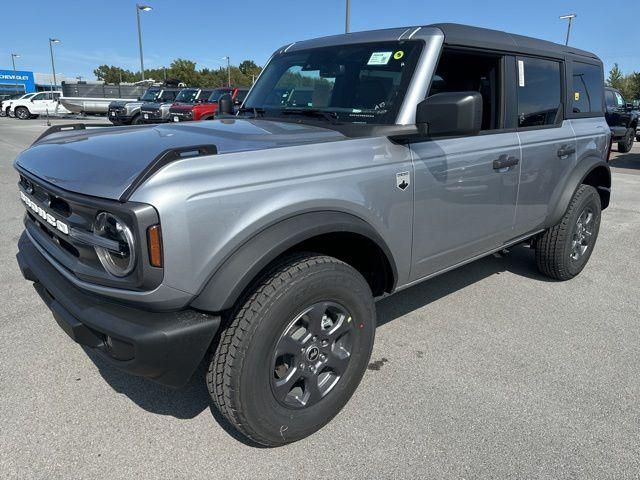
358,166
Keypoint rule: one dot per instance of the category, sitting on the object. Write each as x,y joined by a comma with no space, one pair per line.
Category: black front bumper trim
163,346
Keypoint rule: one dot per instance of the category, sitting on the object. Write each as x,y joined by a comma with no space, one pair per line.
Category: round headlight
118,261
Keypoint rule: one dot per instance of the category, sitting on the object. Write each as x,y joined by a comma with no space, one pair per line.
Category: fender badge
403,180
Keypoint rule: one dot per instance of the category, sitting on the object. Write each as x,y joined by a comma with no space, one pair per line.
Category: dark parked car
622,119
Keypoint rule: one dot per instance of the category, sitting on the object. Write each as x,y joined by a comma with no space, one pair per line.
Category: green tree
113,74
185,71
616,77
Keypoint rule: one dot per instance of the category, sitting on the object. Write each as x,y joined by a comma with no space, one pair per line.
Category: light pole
569,17
228,59
13,62
141,8
347,17
53,65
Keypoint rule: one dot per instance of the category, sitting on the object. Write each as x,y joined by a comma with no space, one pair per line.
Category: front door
464,200
463,205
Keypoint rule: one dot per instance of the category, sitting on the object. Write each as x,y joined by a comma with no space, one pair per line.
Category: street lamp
347,17
228,69
13,62
141,8
53,65
569,17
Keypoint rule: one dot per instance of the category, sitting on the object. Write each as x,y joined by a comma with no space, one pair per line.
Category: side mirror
225,105
449,114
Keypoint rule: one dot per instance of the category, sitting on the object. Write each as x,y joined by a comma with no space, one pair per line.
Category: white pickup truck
42,103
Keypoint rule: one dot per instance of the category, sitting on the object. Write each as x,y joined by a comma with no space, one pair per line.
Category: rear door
547,140
38,103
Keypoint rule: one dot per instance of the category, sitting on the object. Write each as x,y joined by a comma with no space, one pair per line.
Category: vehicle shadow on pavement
191,400
626,160
520,260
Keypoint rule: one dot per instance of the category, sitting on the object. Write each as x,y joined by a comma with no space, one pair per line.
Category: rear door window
539,92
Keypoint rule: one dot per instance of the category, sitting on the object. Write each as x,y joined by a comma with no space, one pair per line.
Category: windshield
150,95
188,95
218,92
362,83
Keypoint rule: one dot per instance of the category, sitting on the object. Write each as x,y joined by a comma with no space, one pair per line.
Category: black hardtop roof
454,35
465,35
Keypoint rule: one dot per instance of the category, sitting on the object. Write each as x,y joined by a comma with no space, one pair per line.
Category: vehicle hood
151,106
104,162
182,106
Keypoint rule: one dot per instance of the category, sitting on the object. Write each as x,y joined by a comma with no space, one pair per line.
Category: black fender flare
240,268
565,192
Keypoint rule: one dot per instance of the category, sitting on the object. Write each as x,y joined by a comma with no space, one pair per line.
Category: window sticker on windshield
379,58
398,55
576,96
521,73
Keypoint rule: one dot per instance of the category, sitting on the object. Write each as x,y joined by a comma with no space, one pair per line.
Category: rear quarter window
588,88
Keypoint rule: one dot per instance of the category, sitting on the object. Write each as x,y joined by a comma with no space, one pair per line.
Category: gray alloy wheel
625,145
312,354
22,113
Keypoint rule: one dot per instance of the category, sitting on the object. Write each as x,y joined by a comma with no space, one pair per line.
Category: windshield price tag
379,58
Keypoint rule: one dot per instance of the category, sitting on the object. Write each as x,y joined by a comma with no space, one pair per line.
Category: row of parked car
170,104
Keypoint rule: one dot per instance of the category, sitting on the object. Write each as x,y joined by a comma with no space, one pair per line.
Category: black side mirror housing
450,114
225,105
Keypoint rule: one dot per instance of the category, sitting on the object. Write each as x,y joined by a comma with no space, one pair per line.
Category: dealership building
26,82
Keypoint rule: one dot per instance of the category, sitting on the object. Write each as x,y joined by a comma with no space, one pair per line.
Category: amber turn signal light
154,240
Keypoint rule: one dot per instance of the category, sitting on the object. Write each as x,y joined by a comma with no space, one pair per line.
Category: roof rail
164,158
60,128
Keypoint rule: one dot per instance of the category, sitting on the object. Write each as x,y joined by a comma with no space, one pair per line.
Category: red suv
207,109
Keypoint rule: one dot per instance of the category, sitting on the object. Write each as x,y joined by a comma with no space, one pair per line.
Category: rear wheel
563,250
295,350
627,143
22,113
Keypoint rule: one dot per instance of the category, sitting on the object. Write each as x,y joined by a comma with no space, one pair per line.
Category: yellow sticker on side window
576,96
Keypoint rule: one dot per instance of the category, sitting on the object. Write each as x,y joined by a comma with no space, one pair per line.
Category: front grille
48,206
151,113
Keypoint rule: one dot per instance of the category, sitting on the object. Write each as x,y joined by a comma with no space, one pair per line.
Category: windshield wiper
253,110
312,112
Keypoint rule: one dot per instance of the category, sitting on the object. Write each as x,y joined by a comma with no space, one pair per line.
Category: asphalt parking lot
490,371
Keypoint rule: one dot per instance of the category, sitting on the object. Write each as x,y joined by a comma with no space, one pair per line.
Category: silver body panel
455,208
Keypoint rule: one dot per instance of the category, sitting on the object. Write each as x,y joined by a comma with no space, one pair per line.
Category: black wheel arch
334,233
590,171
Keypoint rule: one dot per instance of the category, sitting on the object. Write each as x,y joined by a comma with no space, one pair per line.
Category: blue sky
206,30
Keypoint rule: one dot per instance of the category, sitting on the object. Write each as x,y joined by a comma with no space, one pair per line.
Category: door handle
505,161
565,150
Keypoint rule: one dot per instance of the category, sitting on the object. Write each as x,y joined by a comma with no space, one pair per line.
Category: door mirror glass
450,114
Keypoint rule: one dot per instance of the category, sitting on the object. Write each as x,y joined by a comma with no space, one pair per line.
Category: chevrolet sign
42,213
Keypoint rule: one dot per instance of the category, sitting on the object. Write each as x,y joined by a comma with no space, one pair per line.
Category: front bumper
153,117
163,346
118,117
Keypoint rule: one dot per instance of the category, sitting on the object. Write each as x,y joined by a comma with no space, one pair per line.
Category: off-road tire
554,247
22,113
240,374
627,143
136,120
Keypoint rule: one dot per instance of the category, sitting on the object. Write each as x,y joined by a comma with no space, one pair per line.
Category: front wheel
627,143
295,350
22,113
563,250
